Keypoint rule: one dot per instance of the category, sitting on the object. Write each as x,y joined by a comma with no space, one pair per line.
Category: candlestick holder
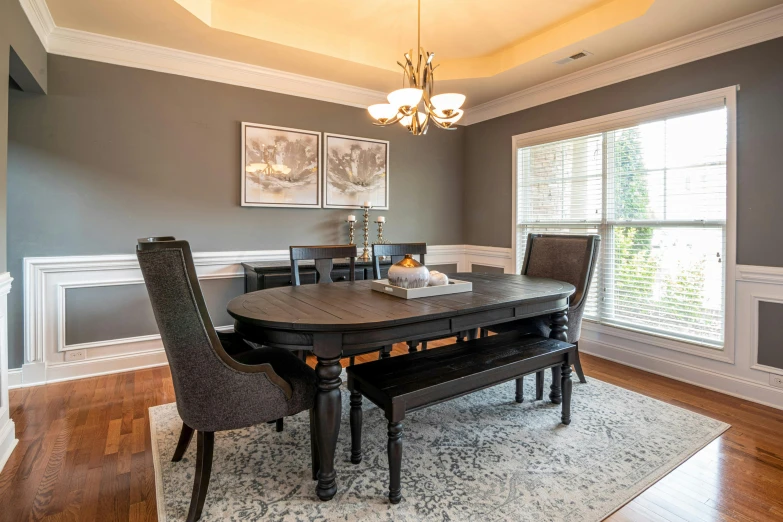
351,228
381,240
366,254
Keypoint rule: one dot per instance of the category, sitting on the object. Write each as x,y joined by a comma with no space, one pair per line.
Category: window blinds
656,193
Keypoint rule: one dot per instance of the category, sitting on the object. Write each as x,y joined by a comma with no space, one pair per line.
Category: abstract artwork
280,167
357,170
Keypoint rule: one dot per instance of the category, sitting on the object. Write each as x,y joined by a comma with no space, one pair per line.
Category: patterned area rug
481,457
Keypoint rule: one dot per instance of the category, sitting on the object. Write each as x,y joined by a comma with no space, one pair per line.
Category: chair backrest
324,257
569,258
200,367
396,251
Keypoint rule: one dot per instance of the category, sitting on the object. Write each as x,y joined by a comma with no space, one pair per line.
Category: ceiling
485,49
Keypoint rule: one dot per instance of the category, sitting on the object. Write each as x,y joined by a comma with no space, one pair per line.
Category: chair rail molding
46,280
8,439
740,376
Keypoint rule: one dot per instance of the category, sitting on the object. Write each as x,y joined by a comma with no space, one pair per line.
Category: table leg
559,321
328,406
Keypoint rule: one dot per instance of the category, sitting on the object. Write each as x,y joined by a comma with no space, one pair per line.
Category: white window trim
695,103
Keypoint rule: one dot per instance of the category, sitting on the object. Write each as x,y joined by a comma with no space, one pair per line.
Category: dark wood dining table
343,319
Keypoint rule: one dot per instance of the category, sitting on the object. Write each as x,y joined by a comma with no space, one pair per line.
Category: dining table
344,319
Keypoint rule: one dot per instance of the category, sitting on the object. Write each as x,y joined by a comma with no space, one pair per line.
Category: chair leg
279,425
184,441
352,361
205,444
539,386
412,346
484,333
385,352
395,461
578,365
424,345
356,427
314,457
566,386
520,396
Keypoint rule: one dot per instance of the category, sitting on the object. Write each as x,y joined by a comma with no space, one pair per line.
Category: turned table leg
559,321
328,404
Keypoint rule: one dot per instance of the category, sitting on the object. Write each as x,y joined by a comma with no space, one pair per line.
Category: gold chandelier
417,86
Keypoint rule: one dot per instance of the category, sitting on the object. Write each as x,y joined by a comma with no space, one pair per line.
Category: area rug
482,457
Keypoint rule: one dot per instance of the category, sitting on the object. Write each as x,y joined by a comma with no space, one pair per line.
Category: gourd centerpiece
409,273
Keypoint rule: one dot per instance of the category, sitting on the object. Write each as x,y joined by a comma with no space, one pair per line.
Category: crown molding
748,30
118,51
40,18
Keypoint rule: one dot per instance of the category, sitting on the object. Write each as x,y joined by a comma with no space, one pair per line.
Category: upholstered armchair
218,386
569,258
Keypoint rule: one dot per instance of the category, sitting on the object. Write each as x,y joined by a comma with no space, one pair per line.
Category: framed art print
281,167
356,170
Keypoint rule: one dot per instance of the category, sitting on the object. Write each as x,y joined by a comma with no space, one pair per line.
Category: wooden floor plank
85,454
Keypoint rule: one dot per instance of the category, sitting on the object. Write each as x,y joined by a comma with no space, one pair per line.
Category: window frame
690,104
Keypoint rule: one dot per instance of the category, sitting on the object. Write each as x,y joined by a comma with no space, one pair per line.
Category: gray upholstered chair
569,258
215,390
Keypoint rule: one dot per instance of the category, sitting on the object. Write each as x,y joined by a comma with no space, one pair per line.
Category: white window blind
656,193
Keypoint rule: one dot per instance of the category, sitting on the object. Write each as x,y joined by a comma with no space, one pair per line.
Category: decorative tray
455,286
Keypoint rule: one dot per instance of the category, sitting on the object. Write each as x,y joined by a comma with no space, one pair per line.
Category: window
654,184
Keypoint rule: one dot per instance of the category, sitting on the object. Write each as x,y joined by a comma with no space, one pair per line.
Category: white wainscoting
739,375
46,280
7,433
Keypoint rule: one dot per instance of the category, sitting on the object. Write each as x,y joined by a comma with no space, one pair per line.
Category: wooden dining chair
564,257
397,251
216,390
324,257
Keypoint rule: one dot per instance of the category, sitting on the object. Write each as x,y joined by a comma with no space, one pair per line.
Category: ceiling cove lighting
414,106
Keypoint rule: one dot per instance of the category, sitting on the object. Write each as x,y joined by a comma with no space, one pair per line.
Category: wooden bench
417,380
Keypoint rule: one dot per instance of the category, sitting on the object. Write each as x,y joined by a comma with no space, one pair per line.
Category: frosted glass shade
448,102
405,97
454,118
382,111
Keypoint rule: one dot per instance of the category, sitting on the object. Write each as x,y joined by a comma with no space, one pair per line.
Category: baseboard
718,382
14,378
8,442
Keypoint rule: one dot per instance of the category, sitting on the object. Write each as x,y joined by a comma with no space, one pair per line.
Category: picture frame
348,159
280,167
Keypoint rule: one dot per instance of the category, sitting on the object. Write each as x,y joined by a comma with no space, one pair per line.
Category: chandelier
417,85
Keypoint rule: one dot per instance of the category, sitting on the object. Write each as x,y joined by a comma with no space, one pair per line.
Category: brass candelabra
366,254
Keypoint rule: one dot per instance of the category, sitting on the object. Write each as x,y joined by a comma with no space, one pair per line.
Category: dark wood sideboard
262,275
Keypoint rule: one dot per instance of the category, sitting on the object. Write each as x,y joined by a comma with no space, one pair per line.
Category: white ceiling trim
90,46
748,30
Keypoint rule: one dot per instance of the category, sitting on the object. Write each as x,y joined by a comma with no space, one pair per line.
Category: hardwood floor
84,451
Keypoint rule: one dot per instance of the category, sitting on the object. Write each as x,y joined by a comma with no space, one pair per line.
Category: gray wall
770,334
23,58
114,153
488,167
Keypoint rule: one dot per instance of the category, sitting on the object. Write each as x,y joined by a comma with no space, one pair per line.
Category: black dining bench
417,380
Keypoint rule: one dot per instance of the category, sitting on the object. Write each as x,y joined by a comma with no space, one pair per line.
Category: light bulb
382,112
448,103
405,98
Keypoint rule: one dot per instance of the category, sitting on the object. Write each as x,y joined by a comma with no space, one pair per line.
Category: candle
380,219
367,204
351,218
